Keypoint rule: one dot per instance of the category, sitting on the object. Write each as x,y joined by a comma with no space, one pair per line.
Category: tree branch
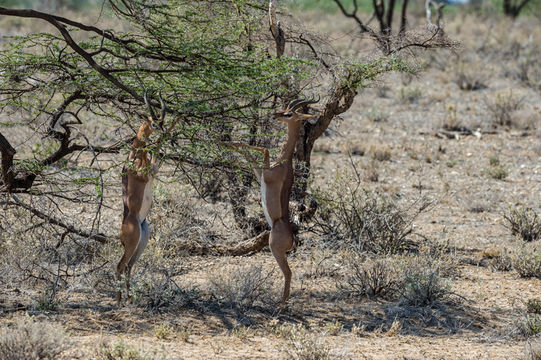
8,175
99,237
353,15
276,30
30,13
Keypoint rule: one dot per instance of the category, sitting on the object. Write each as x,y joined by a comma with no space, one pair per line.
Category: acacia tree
216,67
204,60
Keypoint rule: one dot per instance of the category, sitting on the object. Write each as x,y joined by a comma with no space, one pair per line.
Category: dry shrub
376,115
305,346
525,260
333,328
451,121
326,147
120,351
410,94
529,324
173,219
46,301
470,74
534,306
503,106
498,259
524,222
156,292
350,216
371,172
153,286
241,287
36,254
323,262
422,283
439,60
163,331
533,348
280,329
31,340
470,80
353,148
498,172
524,64
380,153
414,280
369,277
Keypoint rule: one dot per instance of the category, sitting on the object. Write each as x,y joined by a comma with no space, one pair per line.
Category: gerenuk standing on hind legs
276,181
137,176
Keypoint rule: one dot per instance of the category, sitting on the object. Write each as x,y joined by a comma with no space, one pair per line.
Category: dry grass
121,351
471,74
503,106
306,346
29,339
533,348
241,287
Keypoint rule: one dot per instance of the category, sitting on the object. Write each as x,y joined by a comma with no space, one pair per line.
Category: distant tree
514,7
383,11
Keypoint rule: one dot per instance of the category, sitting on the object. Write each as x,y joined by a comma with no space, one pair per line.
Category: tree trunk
340,100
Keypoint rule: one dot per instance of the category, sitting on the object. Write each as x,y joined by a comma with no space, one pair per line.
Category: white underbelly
264,201
147,201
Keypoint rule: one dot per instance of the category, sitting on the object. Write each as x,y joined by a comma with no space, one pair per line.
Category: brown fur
278,179
135,176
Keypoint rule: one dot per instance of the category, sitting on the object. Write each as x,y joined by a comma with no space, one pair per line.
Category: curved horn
305,102
294,102
152,114
163,108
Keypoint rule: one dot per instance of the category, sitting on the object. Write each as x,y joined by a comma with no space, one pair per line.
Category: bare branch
316,55
353,15
62,108
276,30
99,237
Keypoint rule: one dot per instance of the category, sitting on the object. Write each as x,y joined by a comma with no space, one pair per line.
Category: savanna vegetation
416,197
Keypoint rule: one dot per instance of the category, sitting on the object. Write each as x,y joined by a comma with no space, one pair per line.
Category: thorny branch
12,183
102,238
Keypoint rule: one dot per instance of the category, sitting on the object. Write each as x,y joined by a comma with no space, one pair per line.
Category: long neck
293,132
138,143
137,151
